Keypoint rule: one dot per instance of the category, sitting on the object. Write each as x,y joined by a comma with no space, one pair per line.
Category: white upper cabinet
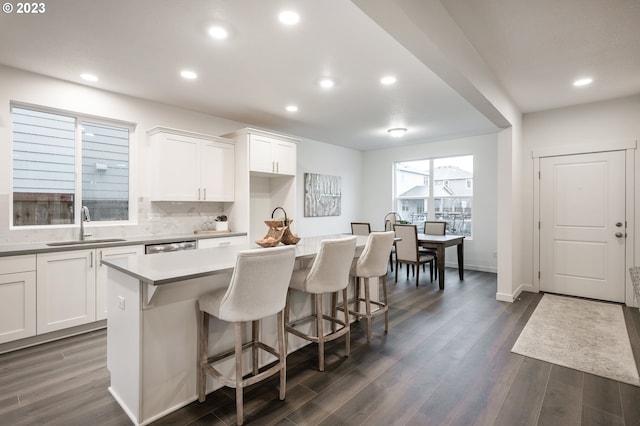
217,175
271,155
191,167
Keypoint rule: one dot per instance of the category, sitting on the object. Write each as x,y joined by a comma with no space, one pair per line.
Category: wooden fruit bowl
268,242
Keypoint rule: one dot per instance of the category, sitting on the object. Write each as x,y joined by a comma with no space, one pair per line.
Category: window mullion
431,214
77,205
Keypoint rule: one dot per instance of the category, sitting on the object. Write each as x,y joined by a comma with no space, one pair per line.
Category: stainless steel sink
76,242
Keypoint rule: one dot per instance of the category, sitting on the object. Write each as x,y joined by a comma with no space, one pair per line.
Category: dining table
440,243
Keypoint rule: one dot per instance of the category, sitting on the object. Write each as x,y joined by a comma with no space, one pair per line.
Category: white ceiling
534,48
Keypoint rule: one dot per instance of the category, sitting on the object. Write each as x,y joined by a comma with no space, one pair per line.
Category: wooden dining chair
434,227
360,228
407,251
389,220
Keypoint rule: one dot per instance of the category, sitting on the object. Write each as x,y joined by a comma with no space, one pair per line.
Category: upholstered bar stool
329,274
258,289
372,263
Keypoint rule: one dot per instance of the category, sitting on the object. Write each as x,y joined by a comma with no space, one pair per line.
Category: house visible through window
63,162
436,189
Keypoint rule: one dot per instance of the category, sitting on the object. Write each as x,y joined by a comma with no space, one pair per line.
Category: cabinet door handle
205,194
91,260
273,166
100,258
227,243
198,193
277,167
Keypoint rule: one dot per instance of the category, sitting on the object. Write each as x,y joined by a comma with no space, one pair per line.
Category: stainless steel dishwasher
169,247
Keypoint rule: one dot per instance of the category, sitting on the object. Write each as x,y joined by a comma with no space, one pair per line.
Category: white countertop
164,268
18,249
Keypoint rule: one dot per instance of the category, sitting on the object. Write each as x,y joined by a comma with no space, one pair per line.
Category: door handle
619,224
619,234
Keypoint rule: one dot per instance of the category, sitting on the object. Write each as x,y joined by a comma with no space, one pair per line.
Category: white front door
582,225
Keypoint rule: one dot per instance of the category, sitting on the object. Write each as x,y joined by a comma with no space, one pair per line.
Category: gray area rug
580,334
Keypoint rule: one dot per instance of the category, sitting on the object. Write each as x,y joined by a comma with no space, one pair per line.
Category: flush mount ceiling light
89,77
189,75
289,17
292,108
583,82
387,80
326,83
397,132
219,33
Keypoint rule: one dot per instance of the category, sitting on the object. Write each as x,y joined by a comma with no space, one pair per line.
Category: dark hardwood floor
445,361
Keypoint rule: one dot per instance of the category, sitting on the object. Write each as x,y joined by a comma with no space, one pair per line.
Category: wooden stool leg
239,390
357,296
367,303
287,307
283,355
386,305
334,310
203,344
255,336
417,275
320,331
346,321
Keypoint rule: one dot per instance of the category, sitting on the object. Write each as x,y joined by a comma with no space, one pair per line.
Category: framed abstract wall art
322,195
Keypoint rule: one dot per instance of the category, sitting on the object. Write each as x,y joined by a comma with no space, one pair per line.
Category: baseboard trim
49,337
491,269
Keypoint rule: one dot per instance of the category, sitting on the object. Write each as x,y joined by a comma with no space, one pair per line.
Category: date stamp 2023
26,8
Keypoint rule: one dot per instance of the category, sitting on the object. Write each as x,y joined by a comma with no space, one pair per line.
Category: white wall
322,158
377,193
596,123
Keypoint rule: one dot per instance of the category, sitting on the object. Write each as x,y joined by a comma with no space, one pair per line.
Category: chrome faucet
84,217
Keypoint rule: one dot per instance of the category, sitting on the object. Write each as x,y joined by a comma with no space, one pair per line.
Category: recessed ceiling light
291,108
89,77
289,17
397,132
326,83
583,81
218,32
389,79
189,75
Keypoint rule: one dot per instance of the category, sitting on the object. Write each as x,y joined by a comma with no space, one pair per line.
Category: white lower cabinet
71,287
17,297
66,289
101,274
222,242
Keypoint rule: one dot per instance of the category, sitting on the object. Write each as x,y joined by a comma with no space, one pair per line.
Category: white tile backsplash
157,218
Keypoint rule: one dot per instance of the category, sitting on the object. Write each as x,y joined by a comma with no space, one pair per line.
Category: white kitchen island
152,332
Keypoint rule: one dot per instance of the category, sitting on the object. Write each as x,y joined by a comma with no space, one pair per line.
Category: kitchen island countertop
164,268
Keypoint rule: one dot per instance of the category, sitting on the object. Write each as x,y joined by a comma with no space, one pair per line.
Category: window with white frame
62,162
436,189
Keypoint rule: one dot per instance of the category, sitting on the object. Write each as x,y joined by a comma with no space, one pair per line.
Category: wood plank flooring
445,361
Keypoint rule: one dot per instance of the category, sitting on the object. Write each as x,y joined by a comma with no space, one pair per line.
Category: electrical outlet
121,303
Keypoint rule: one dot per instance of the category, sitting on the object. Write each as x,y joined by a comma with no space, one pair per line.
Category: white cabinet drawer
222,242
13,264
